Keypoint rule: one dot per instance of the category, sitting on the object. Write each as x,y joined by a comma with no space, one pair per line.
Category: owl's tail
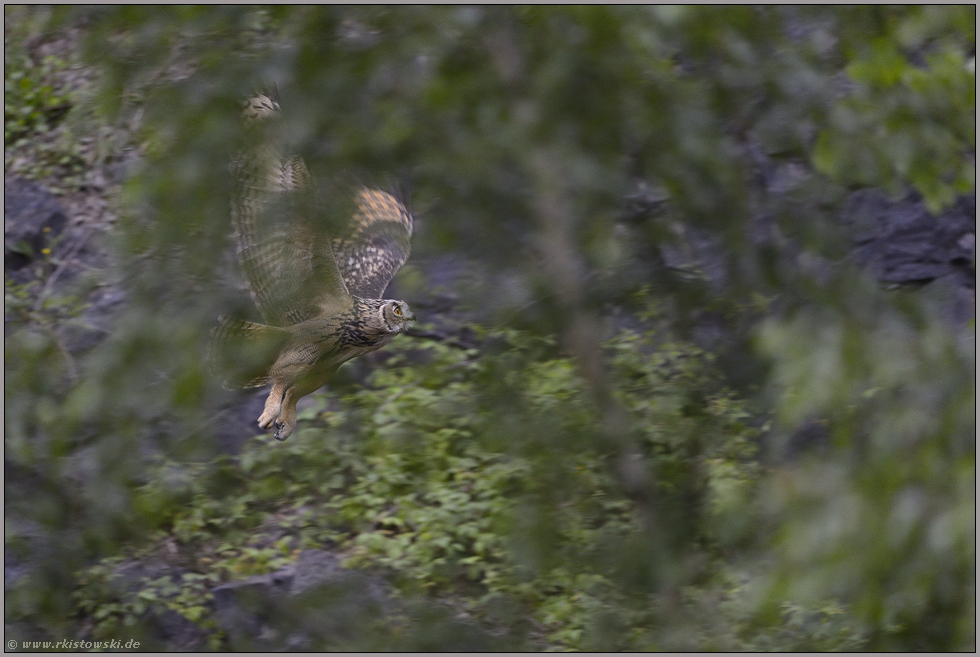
242,352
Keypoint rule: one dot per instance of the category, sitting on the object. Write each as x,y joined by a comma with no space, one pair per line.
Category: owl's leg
286,422
280,410
287,415
273,405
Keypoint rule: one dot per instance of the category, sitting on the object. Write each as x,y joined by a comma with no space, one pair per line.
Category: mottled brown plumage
319,293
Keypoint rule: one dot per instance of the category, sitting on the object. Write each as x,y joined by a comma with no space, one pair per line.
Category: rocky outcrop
901,243
317,605
32,219
314,604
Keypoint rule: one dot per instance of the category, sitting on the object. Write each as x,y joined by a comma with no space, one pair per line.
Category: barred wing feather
377,243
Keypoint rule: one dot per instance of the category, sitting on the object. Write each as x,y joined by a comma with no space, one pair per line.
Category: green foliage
905,121
568,485
37,99
827,628
904,497
113,607
30,103
412,477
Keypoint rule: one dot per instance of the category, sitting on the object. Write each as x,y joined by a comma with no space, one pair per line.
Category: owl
317,286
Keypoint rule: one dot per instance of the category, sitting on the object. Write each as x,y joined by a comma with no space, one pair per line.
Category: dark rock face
313,605
32,217
248,610
317,605
900,242
236,418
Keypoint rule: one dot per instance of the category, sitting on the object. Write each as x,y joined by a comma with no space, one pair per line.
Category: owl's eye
398,311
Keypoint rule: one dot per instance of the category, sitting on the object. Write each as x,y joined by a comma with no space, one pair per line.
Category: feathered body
319,293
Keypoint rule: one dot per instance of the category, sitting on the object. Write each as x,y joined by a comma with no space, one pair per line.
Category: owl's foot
283,430
270,414
280,412
287,419
273,407
265,421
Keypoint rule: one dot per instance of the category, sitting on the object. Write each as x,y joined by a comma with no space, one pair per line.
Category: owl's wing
376,244
285,254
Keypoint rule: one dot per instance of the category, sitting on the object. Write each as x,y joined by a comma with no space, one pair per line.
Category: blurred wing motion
242,352
302,276
287,260
377,244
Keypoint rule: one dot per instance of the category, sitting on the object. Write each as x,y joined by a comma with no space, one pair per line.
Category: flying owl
318,289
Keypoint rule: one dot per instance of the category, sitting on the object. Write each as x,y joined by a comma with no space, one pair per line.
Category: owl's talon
272,411
284,430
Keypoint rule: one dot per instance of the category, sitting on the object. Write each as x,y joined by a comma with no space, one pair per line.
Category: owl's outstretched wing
376,245
286,257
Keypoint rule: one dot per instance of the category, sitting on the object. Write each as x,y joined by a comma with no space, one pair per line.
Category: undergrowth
413,477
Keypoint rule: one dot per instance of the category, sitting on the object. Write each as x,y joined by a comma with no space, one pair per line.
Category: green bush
418,475
30,103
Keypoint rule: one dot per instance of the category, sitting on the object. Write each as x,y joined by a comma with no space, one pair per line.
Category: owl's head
397,316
